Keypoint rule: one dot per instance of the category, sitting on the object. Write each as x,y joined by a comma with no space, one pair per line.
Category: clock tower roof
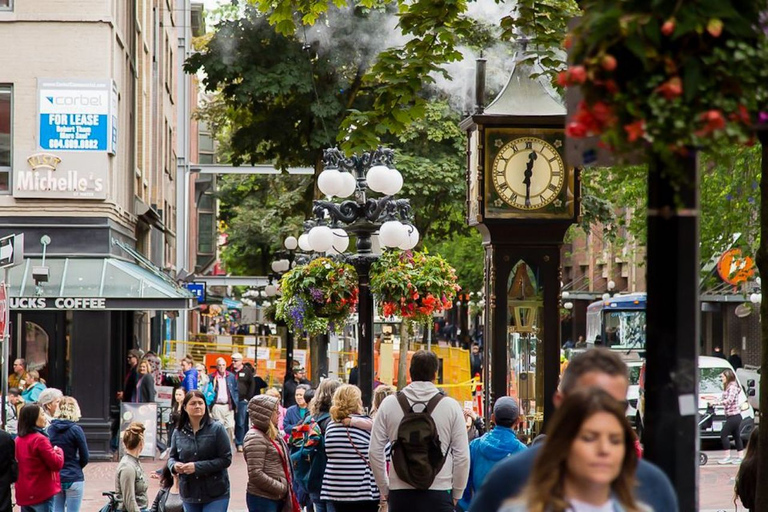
526,96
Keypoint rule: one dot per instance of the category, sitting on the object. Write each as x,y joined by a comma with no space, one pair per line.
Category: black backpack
416,453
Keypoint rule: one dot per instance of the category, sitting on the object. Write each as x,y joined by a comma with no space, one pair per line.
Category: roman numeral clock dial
528,173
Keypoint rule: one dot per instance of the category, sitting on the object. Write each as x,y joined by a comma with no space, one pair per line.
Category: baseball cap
237,355
506,410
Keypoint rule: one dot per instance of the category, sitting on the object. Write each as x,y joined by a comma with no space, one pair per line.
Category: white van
710,390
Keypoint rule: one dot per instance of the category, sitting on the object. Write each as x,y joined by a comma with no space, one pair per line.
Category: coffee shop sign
58,303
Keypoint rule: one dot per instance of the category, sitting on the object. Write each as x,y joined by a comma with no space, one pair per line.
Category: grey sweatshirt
131,484
449,420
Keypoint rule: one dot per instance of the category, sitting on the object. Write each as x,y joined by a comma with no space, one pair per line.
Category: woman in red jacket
39,463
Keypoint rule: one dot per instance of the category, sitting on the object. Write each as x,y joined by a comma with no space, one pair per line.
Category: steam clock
522,197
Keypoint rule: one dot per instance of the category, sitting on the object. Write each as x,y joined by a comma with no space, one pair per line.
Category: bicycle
113,502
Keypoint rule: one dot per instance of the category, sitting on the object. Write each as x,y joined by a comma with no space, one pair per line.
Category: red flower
713,120
578,74
609,62
672,88
635,130
576,130
668,27
742,114
568,42
562,79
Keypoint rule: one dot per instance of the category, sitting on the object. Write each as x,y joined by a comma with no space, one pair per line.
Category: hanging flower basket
668,76
413,285
317,297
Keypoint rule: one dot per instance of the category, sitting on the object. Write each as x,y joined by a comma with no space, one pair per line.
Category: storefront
76,328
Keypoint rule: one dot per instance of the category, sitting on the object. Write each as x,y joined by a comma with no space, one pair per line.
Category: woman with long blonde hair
588,461
267,460
348,480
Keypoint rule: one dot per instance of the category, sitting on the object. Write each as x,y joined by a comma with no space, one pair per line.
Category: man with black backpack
430,452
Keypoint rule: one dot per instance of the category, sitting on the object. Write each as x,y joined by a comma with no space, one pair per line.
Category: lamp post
363,217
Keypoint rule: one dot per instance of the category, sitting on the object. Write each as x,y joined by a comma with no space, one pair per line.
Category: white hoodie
449,420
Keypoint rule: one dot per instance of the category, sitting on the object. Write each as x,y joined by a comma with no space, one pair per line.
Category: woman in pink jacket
39,463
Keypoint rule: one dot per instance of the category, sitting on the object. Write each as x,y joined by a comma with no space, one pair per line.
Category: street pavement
715,484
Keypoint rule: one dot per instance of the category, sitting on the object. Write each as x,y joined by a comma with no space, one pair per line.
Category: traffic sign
11,250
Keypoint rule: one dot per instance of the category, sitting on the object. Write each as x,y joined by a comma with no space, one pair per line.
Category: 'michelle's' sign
77,133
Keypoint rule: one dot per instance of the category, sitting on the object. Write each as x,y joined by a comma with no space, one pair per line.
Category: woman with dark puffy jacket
266,455
69,436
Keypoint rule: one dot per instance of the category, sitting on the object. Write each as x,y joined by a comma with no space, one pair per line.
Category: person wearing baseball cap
492,447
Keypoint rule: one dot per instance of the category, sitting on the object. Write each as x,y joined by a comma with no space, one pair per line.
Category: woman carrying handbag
348,480
266,456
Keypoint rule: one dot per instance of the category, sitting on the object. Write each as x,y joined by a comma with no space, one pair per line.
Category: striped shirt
348,475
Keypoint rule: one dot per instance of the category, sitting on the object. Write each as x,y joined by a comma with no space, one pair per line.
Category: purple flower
762,117
317,295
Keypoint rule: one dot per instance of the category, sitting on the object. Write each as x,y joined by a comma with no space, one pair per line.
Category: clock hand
527,179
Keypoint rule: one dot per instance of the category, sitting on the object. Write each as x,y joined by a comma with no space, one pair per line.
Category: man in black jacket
293,379
9,469
248,385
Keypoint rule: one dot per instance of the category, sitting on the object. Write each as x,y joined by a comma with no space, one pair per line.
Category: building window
6,5
205,233
6,111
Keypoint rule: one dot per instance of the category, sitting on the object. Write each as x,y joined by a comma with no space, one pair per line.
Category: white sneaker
726,460
736,461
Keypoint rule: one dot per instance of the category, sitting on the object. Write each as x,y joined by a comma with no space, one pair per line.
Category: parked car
710,390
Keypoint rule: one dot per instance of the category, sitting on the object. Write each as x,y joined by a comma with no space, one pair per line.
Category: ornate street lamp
363,217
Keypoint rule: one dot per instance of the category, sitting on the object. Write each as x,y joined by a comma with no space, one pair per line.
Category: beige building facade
88,174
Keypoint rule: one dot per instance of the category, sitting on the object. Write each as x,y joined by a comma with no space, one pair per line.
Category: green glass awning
122,285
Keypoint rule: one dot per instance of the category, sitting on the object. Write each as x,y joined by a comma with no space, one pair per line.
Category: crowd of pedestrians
418,450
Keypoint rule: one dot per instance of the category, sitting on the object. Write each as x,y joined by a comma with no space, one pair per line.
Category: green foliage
318,296
258,212
413,286
465,253
546,23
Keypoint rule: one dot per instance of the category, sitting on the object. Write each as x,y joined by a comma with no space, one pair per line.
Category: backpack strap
433,402
403,401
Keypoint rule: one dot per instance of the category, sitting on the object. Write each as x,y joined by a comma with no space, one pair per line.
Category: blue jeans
259,504
321,505
213,506
46,506
241,422
69,499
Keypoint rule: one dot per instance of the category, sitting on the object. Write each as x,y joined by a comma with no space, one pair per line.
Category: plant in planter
668,76
413,285
318,296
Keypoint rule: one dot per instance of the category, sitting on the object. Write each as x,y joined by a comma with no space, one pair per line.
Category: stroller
705,422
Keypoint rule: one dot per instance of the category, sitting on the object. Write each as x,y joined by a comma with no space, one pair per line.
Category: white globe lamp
411,238
304,244
291,243
566,294
270,290
392,234
568,305
340,240
330,182
276,266
606,296
394,182
377,178
348,184
321,238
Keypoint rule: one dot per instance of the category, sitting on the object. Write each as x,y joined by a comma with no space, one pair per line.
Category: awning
96,284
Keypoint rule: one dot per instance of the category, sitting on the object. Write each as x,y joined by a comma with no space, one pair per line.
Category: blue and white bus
618,323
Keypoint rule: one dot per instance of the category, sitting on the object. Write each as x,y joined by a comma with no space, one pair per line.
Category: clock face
528,173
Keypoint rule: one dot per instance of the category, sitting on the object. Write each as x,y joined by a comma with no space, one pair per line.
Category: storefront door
42,343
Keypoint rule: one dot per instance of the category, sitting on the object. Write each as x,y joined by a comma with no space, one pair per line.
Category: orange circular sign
734,268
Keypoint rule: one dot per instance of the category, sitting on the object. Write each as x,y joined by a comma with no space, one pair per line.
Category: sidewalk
100,477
